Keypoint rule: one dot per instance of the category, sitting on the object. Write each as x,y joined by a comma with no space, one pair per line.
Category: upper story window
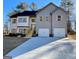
22,20
33,20
59,18
41,18
13,20
46,18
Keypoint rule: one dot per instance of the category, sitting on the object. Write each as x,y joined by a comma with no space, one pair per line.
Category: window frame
33,20
22,19
14,20
41,18
47,18
59,17
22,31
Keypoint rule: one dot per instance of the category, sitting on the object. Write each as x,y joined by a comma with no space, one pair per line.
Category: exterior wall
14,28
32,23
9,26
23,24
62,23
45,13
13,25
55,23
27,28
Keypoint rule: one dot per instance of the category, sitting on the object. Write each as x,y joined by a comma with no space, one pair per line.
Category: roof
25,13
33,13
57,8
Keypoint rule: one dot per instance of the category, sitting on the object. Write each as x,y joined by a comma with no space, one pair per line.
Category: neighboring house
53,18
5,30
22,22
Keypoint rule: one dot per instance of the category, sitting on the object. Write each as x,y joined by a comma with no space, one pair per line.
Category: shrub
72,33
16,34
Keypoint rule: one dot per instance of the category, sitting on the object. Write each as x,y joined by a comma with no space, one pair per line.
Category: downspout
51,34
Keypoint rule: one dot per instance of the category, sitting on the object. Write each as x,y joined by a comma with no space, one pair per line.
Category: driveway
31,44
60,49
10,43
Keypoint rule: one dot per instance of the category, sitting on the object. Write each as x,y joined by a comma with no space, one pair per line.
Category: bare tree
33,6
67,5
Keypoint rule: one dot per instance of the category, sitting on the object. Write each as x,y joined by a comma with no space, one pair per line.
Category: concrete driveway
60,49
31,44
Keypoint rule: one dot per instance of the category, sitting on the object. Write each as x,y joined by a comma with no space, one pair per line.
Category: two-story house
51,17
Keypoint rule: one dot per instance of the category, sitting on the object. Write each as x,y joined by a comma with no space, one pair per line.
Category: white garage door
43,32
59,32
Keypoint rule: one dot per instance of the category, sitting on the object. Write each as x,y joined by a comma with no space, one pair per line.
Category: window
46,18
13,20
59,18
13,30
22,20
33,20
22,31
40,18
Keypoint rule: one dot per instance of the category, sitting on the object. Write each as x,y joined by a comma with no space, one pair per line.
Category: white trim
23,23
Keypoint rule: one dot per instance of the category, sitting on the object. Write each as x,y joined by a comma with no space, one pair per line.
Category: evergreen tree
22,6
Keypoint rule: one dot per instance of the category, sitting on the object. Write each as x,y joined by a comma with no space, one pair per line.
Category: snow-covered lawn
31,44
59,49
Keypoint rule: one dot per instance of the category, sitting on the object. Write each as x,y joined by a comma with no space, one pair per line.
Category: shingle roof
25,13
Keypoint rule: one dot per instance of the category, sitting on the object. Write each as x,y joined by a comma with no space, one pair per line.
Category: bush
16,34
12,34
72,33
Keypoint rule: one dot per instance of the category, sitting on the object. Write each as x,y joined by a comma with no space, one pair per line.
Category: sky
9,5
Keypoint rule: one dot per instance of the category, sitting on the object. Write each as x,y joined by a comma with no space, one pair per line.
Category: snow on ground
60,49
31,44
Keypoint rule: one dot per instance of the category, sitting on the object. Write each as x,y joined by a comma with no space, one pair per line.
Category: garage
59,32
43,32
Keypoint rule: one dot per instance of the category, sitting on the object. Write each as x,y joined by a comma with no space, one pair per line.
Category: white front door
43,32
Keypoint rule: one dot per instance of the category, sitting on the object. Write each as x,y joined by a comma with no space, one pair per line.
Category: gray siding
55,23
44,13
62,23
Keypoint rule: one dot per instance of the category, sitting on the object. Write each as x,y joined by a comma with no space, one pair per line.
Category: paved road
10,43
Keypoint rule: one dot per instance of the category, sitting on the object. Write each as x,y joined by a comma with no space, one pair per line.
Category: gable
60,11
48,8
